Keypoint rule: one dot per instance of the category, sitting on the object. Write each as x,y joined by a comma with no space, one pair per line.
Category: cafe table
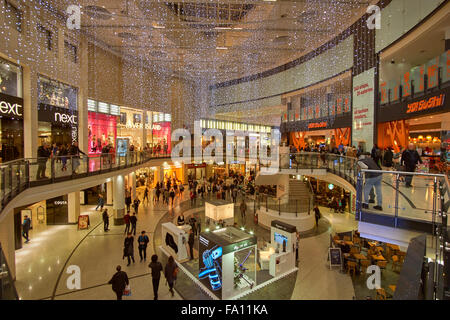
378,258
359,256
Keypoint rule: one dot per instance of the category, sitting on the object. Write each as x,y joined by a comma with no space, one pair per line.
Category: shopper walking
410,159
172,195
75,153
317,215
126,219
128,199
191,241
180,220
100,202
193,223
136,204
105,217
171,272
145,195
243,208
128,248
133,221
43,154
26,226
119,282
156,268
143,241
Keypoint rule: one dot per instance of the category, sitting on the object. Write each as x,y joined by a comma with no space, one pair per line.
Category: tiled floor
42,264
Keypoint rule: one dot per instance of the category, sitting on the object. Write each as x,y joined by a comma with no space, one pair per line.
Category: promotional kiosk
174,241
279,255
227,261
216,210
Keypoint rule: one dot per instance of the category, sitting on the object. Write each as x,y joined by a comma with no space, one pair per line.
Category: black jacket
119,281
26,225
128,248
410,158
191,239
156,269
133,220
43,153
388,155
371,165
105,216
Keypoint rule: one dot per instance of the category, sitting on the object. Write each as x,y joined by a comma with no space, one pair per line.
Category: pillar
30,115
73,204
119,199
83,130
109,193
132,184
7,240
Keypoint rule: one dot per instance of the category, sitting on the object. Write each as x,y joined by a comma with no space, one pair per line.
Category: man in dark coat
105,217
157,268
388,156
143,241
410,159
43,154
26,226
133,221
317,215
128,248
119,281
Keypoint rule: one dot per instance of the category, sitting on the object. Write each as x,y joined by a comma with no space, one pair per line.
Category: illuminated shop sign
65,118
315,125
11,106
433,102
10,109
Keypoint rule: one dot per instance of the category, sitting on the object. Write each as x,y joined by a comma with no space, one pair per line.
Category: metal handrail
15,175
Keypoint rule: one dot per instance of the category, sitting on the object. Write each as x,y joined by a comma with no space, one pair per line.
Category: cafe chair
381,294
354,250
364,265
347,238
357,241
382,264
351,266
401,256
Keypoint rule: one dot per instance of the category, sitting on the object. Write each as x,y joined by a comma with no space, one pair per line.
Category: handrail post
267,208
296,208
279,206
10,179
397,179
87,164
27,173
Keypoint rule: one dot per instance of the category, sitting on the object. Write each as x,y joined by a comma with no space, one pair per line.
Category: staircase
298,190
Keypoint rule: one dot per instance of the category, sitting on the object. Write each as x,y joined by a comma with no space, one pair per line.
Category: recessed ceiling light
221,48
222,28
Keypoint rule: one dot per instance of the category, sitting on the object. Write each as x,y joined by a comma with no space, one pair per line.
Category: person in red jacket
126,219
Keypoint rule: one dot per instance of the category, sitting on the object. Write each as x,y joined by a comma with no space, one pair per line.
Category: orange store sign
317,125
433,102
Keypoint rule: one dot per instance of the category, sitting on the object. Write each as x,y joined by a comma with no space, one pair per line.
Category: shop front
57,112
131,127
320,115
102,120
161,132
11,111
195,171
175,171
417,111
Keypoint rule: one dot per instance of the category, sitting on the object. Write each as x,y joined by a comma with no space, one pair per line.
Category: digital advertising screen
279,238
122,147
210,265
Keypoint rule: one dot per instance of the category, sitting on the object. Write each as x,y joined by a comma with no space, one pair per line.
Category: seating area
360,253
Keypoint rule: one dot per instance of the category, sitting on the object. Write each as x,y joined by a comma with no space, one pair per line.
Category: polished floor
42,264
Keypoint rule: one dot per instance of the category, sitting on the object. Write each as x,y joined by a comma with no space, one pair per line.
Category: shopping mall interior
250,150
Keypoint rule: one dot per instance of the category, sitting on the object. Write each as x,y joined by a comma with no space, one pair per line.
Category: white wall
399,17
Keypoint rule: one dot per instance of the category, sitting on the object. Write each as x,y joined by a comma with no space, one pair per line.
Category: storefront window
11,111
102,132
57,112
10,79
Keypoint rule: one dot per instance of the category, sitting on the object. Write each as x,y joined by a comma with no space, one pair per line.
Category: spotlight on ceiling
221,48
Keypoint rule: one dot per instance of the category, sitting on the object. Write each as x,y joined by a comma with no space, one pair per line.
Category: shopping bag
127,291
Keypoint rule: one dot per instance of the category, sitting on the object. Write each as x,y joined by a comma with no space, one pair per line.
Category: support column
83,131
30,115
109,193
8,242
119,199
132,184
73,204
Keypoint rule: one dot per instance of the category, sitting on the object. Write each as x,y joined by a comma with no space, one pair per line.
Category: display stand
219,210
174,240
279,256
227,261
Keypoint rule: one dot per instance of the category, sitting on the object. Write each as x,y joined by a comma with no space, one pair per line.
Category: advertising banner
363,109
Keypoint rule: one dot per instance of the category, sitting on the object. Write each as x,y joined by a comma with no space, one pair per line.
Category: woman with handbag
170,272
119,282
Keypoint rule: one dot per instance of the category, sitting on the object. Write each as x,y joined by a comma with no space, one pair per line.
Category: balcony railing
18,175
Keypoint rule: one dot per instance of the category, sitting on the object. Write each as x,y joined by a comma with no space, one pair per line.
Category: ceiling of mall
215,41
